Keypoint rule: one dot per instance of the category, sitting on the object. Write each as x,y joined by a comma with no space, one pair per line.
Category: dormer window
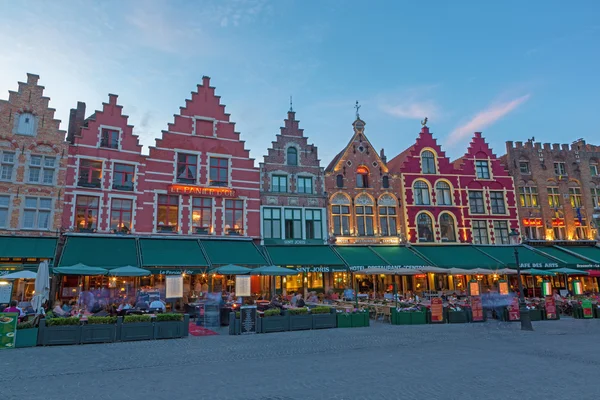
292,156
428,162
362,177
26,124
482,168
109,139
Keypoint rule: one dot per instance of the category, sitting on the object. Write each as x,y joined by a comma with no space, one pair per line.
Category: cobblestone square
560,360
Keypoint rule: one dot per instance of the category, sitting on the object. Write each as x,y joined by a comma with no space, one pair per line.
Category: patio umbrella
273,270
81,269
481,271
42,287
436,270
569,271
231,270
459,271
20,275
374,271
537,272
405,271
128,270
506,271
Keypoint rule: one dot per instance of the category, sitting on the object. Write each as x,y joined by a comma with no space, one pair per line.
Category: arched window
443,194
362,177
339,181
447,228
26,124
292,156
428,162
385,182
424,228
421,193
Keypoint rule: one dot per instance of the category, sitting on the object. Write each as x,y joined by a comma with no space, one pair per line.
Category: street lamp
523,311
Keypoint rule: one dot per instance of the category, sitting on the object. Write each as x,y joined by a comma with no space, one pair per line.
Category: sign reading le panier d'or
202,190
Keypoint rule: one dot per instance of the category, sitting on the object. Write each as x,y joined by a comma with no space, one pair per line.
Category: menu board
8,330
550,308
503,287
477,308
6,292
174,285
588,312
514,314
437,310
248,320
474,288
242,286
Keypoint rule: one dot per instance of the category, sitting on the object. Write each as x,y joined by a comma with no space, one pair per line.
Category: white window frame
42,167
487,168
12,165
36,227
560,168
8,208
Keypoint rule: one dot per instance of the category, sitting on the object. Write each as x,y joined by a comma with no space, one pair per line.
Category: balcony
167,229
202,231
94,183
126,188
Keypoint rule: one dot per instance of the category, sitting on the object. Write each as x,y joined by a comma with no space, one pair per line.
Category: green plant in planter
298,311
274,312
133,319
102,320
62,321
321,310
25,325
169,317
238,315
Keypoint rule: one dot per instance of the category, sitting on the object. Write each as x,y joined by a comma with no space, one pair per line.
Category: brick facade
558,185
447,202
33,156
363,205
293,200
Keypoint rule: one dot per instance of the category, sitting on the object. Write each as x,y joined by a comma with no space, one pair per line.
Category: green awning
360,256
567,259
457,256
527,257
27,247
537,272
306,255
172,253
19,267
238,252
400,256
80,269
104,252
591,253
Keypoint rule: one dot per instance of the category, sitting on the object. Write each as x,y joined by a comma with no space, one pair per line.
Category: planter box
279,323
137,331
400,318
100,333
457,317
26,337
360,319
168,330
234,324
344,320
58,335
535,315
418,318
300,322
324,321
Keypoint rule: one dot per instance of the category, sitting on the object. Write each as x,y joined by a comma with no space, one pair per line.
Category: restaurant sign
367,240
321,269
539,265
388,267
177,271
202,190
437,309
8,330
588,266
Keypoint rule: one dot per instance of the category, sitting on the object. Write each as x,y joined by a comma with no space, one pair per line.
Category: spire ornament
424,122
357,107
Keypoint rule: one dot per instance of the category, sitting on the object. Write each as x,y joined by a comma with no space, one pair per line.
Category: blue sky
511,69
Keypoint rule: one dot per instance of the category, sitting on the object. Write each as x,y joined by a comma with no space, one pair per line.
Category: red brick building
363,206
471,200
293,200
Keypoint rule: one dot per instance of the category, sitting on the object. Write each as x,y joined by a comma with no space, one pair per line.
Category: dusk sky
510,69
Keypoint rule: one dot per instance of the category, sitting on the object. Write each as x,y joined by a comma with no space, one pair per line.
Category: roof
333,162
396,162
458,162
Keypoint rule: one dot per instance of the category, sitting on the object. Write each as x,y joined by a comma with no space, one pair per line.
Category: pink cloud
483,119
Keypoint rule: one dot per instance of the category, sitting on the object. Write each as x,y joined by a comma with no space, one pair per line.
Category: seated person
124,306
58,311
141,304
276,302
157,304
300,301
14,309
312,298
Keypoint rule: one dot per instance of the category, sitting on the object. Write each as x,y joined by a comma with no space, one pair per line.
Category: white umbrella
506,271
42,287
374,271
436,270
20,275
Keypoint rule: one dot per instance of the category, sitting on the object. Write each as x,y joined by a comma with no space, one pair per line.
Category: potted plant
535,313
53,331
457,314
234,323
344,320
323,317
360,318
99,330
169,326
300,319
136,327
27,334
273,321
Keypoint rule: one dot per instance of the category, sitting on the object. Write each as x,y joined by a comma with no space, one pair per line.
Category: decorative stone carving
340,199
5,143
272,200
387,200
44,148
293,201
313,202
363,200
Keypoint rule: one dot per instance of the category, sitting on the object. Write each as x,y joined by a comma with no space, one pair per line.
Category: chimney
382,156
76,120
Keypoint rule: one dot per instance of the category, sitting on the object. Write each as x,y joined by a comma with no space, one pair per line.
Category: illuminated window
86,213
553,197
575,197
428,162
421,193
447,228
362,177
425,228
202,215
123,177
596,197
167,215
234,217
121,211
90,173
528,196
443,194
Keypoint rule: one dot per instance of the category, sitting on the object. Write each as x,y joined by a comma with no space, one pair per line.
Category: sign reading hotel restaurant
242,286
539,265
202,190
388,267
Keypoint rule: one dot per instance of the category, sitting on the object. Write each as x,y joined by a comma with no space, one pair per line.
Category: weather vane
291,109
357,108
424,122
